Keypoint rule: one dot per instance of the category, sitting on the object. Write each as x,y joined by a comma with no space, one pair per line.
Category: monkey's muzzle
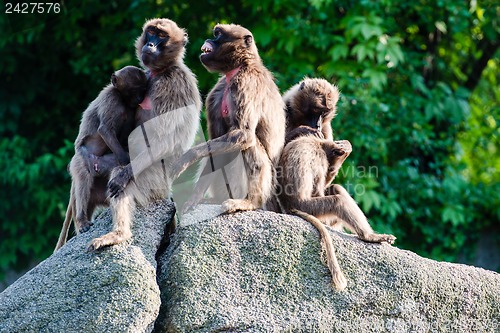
207,47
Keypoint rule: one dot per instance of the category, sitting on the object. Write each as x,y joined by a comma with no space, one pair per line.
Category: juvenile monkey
101,145
167,125
245,113
307,166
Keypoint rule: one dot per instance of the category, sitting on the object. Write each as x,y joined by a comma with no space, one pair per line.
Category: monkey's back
302,168
106,101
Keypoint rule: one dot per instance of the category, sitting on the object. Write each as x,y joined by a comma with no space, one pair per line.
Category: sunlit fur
173,86
255,125
111,115
308,164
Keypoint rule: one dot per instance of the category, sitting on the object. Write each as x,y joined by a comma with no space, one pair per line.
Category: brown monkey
245,114
307,166
101,145
167,125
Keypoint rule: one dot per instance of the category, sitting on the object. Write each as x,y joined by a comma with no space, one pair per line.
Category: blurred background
420,105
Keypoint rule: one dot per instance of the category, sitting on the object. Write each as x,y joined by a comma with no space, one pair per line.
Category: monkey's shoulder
177,86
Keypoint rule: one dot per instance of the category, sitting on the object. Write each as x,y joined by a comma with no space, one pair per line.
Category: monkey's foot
111,238
84,227
378,238
236,205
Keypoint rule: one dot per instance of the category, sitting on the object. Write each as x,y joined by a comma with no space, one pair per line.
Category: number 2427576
33,8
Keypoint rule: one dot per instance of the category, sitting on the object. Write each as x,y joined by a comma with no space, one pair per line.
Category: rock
261,272
114,290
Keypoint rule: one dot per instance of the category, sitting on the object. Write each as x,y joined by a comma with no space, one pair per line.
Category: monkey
245,113
101,145
309,163
166,126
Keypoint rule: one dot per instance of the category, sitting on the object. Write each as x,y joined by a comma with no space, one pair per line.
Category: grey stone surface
263,272
114,290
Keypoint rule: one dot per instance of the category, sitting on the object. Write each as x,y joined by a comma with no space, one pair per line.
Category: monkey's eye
151,32
161,34
217,33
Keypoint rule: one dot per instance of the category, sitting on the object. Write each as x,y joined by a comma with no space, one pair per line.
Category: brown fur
307,166
255,123
101,145
170,127
311,104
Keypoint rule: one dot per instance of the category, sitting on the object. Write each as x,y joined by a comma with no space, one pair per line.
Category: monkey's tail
338,279
67,221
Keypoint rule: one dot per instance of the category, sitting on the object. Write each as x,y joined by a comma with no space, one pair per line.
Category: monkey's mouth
206,48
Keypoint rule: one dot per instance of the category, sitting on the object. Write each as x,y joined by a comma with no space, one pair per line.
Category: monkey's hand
117,184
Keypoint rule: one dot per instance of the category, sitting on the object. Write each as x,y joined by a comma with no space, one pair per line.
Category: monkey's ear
114,80
302,85
185,39
248,40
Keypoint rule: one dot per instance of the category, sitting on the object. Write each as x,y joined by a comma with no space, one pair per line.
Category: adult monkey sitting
167,125
245,112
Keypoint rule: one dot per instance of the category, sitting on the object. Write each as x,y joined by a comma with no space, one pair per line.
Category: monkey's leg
341,204
260,181
103,165
82,181
122,208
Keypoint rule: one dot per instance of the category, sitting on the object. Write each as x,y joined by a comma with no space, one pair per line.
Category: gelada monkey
245,113
308,164
101,145
166,127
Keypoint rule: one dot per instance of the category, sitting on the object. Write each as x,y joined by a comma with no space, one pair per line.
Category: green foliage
420,112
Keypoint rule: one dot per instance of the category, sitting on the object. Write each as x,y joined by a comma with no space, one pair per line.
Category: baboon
307,166
167,125
101,145
245,113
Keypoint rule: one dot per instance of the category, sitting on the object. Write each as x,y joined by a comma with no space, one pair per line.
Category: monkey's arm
108,134
152,142
327,131
239,138
235,140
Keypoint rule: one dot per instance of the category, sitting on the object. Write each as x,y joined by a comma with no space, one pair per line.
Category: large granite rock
114,290
246,272
262,272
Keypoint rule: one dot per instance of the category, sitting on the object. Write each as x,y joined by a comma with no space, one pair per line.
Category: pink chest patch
225,105
146,103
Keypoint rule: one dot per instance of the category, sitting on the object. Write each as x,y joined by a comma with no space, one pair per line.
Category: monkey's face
161,44
132,84
231,47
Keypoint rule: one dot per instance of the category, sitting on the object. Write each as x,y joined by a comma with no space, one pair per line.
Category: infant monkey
101,145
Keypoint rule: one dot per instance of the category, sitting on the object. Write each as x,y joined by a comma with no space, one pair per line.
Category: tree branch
488,51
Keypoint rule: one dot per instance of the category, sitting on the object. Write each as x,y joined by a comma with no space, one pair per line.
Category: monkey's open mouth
206,48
